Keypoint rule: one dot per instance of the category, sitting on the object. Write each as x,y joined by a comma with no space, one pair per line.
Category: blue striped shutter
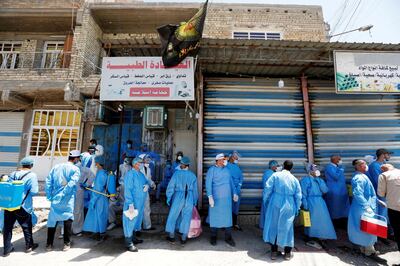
11,124
353,125
258,119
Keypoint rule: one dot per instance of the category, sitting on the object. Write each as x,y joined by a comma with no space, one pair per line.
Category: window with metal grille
52,55
9,54
253,35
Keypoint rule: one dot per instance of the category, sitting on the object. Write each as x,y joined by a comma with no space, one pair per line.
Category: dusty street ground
250,250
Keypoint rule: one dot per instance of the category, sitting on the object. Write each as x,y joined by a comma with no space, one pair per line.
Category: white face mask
366,168
225,162
279,169
179,157
340,162
317,173
146,164
236,161
185,169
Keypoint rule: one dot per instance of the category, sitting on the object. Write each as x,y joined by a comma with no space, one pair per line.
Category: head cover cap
185,160
235,153
27,161
219,156
310,167
137,160
273,163
75,153
100,160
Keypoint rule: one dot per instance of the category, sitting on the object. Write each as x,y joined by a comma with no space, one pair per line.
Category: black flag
179,41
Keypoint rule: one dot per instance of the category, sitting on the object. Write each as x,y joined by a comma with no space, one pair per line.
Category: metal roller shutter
258,119
11,124
353,125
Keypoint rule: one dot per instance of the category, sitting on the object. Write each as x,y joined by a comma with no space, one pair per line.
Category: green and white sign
367,72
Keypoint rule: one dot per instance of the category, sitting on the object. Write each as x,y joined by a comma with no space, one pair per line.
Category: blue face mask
129,146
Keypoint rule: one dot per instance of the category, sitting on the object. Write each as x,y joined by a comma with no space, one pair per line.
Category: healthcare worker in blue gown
273,166
60,191
25,213
237,176
135,191
313,188
364,201
182,196
337,198
374,170
103,188
220,192
283,194
86,180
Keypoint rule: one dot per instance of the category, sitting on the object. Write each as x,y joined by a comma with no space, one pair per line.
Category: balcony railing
34,60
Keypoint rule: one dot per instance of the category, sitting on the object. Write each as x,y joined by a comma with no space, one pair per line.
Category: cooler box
374,224
305,218
11,195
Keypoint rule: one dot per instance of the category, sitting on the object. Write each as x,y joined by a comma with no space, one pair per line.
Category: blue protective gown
97,216
182,196
363,197
219,184
176,166
134,181
31,184
283,194
373,175
60,191
337,198
237,176
312,189
267,174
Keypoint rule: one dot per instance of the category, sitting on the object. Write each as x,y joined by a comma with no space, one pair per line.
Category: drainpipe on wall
200,85
307,119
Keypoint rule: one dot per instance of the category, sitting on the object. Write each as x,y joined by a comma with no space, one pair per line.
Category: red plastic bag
195,224
374,225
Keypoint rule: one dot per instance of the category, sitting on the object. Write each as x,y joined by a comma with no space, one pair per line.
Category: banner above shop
146,79
367,72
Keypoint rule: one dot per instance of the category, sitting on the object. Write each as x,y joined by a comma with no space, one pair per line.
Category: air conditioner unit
155,117
94,111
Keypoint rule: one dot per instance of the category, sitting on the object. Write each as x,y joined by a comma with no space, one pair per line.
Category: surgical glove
131,212
369,210
153,185
235,198
119,189
211,201
145,188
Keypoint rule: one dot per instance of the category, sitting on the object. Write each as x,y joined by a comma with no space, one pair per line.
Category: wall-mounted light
281,83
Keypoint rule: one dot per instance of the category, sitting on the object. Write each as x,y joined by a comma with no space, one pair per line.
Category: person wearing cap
374,170
237,176
135,192
116,204
389,187
86,180
146,170
283,194
103,187
181,197
60,191
313,188
364,201
337,198
129,151
24,214
273,166
98,149
177,162
220,192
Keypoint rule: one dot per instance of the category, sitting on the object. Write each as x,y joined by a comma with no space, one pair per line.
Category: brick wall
304,23
87,47
40,3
